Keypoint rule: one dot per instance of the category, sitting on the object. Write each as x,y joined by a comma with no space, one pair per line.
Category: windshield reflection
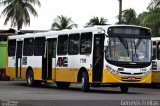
135,50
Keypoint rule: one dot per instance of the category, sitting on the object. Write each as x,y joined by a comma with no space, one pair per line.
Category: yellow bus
110,55
155,60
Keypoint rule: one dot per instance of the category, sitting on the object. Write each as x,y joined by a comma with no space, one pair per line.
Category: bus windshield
132,50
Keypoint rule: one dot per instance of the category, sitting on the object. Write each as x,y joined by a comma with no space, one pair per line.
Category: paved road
12,92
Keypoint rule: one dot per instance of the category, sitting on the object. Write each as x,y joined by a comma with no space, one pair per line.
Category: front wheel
85,82
124,88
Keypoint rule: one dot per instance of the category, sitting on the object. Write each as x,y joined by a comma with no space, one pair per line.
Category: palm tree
151,19
63,22
17,11
97,21
154,4
129,17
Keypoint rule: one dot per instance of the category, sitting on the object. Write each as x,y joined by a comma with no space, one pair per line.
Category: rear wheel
31,81
85,82
30,78
63,84
124,88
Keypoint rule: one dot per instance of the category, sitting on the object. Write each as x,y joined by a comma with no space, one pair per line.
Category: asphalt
17,93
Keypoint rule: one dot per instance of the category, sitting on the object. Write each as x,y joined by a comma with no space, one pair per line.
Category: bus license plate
131,78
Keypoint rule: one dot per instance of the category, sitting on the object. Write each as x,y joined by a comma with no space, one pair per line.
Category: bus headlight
113,71
146,73
143,69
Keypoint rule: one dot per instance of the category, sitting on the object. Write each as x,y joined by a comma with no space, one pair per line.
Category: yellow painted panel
11,72
53,74
23,72
37,73
111,78
90,75
66,74
156,77
18,72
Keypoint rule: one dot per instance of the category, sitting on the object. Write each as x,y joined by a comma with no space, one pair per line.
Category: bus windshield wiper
125,44
136,45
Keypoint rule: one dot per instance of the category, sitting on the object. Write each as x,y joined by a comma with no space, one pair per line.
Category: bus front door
98,56
19,59
49,60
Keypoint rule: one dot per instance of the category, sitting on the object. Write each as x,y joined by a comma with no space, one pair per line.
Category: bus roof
98,28
155,38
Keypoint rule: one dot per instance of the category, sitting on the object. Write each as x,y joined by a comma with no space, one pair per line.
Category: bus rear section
155,60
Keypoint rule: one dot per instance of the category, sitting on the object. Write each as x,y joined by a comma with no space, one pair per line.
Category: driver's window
158,51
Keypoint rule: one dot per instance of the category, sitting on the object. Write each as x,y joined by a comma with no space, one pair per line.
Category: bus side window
158,50
52,47
62,45
11,47
28,47
86,43
39,47
73,48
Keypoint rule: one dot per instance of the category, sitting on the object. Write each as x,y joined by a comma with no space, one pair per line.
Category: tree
154,4
96,21
151,19
63,22
129,17
17,11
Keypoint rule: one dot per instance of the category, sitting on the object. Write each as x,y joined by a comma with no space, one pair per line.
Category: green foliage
63,22
154,4
151,19
129,17
17,11
96,21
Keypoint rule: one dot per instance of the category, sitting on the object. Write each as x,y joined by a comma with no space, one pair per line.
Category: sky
80,11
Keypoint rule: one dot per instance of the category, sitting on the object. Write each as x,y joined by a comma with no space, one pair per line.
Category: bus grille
130,79
128,73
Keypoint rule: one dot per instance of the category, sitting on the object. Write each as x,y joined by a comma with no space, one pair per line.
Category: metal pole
120,11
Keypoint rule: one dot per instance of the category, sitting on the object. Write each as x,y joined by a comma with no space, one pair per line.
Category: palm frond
154,4
96,21
31,9
17,11
63,22
6,2
35,2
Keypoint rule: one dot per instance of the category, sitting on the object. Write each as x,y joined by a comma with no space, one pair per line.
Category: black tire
63,84
37,83
85,82
30,80
124,88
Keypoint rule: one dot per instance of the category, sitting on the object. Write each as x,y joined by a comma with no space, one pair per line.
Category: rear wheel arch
29,69
80,72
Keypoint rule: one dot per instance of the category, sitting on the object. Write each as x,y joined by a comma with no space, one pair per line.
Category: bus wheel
30,78
124,88
85,82
63,84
